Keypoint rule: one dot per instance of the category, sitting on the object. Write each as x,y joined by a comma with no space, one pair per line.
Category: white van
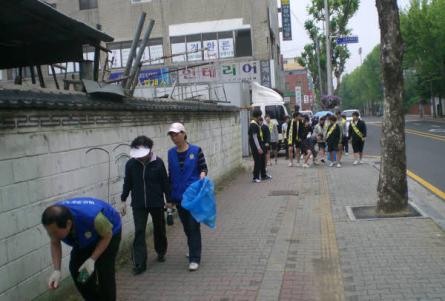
269,102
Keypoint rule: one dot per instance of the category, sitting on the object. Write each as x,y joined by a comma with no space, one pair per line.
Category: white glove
123,208
88,265
54,280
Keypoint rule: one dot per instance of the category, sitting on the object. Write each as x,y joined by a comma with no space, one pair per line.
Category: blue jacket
84,211
181,179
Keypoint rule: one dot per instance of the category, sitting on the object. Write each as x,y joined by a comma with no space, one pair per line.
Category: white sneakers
355,162
305,165
290,164
331,164
338,165
193,266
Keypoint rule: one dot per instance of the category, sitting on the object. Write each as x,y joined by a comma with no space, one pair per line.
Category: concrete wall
43,159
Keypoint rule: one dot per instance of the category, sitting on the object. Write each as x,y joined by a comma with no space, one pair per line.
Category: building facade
298,86
241,40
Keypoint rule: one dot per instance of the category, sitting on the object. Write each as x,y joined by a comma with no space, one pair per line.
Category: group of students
93,227
331,135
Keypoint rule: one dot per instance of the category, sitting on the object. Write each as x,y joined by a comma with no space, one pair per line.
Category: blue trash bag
199,199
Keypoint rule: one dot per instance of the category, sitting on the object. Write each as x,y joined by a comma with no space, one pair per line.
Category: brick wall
43,159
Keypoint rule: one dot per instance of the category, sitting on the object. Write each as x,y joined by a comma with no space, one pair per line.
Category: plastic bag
199,199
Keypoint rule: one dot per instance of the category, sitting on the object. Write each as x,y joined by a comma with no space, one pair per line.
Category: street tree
392,185
340,12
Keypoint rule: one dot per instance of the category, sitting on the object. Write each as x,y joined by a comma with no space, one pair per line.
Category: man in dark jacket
257,147
146,178
333,136
357,133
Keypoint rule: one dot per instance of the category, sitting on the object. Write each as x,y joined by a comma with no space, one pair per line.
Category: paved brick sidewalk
271,244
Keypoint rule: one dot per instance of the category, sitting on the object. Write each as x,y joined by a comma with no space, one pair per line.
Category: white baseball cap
176,128
139,152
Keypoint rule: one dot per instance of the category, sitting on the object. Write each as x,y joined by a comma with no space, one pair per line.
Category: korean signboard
149,78
285,20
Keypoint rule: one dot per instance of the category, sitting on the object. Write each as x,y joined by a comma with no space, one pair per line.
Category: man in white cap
146,178
186,165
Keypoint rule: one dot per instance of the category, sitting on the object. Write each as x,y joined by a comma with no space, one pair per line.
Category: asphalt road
425,148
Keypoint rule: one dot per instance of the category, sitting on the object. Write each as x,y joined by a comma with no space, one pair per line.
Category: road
425,148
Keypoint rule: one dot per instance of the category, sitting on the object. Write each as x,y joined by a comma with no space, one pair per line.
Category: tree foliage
363,87
423,31
340,12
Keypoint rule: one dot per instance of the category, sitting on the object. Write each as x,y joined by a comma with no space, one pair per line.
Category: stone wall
43,143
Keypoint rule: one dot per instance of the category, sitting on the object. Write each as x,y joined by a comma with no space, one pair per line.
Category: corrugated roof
34,33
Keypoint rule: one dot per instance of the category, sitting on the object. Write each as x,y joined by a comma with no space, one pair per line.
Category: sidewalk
291,239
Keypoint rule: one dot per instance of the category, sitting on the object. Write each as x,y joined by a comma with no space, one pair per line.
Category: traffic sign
347,40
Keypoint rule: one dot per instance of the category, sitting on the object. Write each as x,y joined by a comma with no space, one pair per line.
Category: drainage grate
282,192
370,213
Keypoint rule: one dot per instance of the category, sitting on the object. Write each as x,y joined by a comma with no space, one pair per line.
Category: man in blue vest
93,229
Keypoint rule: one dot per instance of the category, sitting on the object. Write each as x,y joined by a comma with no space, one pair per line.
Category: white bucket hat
139,152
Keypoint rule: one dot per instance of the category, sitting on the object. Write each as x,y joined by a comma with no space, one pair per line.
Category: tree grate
370,213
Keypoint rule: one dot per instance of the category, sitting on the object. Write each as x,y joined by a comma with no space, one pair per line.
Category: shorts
345,141
332,147
273,145
357,146
295,144
321,145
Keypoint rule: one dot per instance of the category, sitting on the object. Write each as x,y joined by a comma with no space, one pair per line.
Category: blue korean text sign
347,40
149,78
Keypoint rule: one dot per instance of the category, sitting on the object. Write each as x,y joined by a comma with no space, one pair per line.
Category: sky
364,24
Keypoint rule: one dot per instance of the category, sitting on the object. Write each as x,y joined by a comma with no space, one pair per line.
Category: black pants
345,142
140,217
192,230
259,166
101,286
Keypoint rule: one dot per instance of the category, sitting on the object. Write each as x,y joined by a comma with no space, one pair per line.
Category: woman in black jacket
146,178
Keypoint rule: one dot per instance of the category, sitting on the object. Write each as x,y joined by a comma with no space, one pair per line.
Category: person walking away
273,130
186,165
320,135
293,138
333,139
306,144
357,134
146,178
93,229
284,135
345,141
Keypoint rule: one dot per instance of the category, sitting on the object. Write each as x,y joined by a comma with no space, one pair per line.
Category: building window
178,49
226,45
243,43
194,46
87,4
139,1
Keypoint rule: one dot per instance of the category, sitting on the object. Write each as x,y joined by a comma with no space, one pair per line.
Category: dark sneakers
139,269
161,258
267,177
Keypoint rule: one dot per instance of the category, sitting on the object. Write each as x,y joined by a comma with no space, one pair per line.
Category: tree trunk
392,187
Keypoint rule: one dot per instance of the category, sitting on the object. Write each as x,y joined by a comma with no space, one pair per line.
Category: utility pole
328,50
320,80
360,53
